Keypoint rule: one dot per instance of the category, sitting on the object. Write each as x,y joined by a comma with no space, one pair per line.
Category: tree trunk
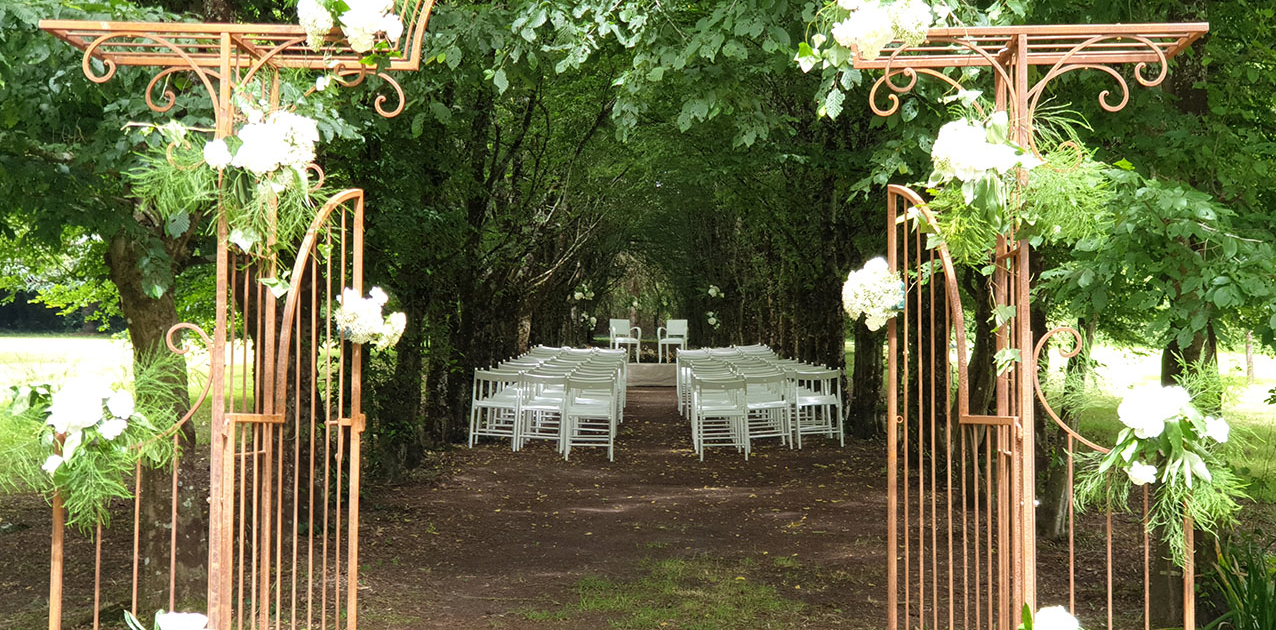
1249,357
866,409
148,323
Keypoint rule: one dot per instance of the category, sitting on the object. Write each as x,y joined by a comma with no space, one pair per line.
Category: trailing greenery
97,474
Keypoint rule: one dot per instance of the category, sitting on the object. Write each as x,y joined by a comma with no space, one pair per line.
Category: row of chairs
570,396
733,396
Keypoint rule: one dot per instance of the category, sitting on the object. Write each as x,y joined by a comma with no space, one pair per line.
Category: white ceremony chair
622,334
673,333
718,414
766,398
817,403
542,409
591,413
494,405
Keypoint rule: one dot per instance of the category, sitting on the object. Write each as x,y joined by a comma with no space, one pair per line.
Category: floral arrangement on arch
1168,443
873,291
368,25
360,319
82,439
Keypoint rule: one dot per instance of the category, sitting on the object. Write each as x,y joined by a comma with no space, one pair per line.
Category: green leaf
656,74
500,81
1086,279
177,224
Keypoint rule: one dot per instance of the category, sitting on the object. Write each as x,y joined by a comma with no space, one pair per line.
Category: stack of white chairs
734,396
568,396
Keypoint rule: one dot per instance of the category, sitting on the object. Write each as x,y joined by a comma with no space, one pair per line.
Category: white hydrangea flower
392,330
77,405
217,154
910,20
578,296
52,464
714,291
261,150
1217,429
181,621
1054,618
873,292
870,28
1146,409
850,5
378,295
955,150
316,20
112,428
121,404
1141,473
323,82
364,19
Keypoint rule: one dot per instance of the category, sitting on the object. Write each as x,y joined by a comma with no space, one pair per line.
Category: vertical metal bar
296,442
221,464
97,578
137,532
172,530
934,444
908,556
242,456
948,447
1108,542
1147,568
1072,530
921,436
356,433
1027,561
892,447
254,601
55,557
1189,572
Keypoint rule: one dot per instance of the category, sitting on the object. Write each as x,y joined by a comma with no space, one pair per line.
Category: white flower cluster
282,139
583,292
82,405
874,292
588,320
361,22
715,292
1055,618
872,25
181,621
963,150
360,321
1146,411
712,318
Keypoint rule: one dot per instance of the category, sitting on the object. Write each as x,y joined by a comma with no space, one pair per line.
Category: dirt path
507,537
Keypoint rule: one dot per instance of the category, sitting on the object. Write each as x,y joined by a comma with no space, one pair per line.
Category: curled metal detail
1036,380
349,77
170,341
911,74
319,176
1064,66
169,97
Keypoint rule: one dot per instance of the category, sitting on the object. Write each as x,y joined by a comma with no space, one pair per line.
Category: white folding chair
542,408
766,399
673,333
494,405
591,413
719,414
622,334
817,403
